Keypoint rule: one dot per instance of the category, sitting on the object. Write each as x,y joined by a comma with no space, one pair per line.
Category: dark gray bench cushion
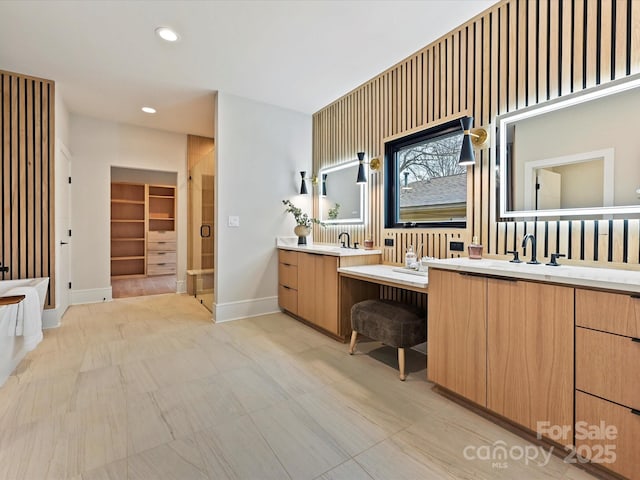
393,323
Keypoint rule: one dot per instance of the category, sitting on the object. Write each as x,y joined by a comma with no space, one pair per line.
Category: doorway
143,232
201,259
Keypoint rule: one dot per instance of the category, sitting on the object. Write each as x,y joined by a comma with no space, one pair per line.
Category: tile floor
149,388
136,287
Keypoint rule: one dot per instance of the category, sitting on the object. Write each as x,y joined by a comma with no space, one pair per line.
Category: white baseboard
181,286
91,295
224,312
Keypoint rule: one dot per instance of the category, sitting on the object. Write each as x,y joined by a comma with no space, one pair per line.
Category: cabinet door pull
162,253
635,339
284,286
162,264
635,296
287,264
635,412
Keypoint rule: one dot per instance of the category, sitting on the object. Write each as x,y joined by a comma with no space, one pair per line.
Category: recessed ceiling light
148,110
167,34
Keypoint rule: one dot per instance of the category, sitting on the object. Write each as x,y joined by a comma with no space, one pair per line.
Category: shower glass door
201,231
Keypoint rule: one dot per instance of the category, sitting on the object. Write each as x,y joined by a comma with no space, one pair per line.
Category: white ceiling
301,55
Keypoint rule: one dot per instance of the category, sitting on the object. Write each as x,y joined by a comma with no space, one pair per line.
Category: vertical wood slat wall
515,54
27,168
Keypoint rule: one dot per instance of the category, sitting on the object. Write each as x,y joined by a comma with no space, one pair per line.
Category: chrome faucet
348,244
528,236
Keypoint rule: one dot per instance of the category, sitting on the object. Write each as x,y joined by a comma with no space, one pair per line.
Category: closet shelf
116,220
128,239
140,257
129,202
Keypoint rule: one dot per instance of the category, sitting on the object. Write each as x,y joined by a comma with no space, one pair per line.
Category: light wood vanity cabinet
458,333
288,281
607,375
530,352
308,288
318,290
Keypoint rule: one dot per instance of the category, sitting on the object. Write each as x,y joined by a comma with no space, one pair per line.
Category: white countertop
385,273
605,278
326,249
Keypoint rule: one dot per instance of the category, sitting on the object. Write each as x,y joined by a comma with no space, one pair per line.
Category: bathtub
13,349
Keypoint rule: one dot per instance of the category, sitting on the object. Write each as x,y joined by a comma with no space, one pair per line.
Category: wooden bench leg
352,345
401,363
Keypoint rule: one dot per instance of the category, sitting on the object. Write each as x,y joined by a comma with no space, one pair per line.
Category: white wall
97,145
260,150
51,317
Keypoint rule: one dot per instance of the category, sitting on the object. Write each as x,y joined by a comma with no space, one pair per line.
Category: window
424,185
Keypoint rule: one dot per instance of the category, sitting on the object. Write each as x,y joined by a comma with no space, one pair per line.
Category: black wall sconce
324,185
374,164
471,137
303,183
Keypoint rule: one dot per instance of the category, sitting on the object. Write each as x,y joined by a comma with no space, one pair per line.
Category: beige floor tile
113,471
177,460
301,444
387,461
349,470
147,427
254,389
236,450
197,405
351,430
137,378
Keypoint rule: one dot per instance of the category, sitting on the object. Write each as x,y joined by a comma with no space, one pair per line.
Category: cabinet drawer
288,275
607,366
611,312
155,257
592,411
288,257
161,269
162,236
288,299
162,246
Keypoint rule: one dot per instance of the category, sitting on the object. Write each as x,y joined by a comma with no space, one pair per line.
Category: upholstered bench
393,323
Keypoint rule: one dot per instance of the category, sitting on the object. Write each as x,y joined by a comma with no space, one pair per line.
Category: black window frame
391,181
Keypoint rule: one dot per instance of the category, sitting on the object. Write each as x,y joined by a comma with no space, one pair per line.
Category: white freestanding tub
14,348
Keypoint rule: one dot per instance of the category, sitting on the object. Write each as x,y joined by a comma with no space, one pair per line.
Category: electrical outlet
234,221
456,246
388,242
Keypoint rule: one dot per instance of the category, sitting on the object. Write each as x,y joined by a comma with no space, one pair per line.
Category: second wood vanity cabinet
530,352
506,345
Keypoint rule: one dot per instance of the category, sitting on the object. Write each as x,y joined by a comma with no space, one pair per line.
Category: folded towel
28,321
8,317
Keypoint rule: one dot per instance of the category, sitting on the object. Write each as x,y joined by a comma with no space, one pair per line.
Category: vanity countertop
386,273
594,277
326,249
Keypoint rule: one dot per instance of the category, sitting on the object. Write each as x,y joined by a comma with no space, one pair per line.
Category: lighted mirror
576,156
341,199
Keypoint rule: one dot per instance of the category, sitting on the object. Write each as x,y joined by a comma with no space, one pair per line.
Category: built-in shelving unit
128,229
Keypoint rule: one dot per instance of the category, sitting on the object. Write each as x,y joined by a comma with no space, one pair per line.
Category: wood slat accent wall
515,54
26,195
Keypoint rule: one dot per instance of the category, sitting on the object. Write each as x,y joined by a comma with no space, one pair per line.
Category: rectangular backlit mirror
341,199
576,156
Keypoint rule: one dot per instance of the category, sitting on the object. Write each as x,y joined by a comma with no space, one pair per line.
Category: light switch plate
234,221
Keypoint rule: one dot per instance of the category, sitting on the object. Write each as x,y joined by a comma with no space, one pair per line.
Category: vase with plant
303,221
